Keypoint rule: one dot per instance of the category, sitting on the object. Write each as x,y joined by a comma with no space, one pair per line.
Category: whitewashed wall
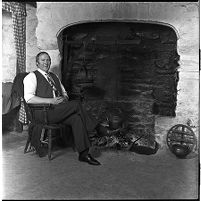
8,48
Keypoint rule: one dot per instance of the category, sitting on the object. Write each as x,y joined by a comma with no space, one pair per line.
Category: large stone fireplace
127,67
136,59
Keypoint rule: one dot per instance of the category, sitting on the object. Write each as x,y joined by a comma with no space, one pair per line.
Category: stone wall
45,23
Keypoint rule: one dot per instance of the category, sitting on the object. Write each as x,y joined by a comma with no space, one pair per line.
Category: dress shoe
89,159
93,159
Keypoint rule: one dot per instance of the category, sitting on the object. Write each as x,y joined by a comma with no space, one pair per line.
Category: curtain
18,11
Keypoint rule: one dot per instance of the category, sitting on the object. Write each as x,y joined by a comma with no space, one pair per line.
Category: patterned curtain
18,11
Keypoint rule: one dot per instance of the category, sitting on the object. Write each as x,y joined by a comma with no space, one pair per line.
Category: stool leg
27,144
49,143
28,139
42,135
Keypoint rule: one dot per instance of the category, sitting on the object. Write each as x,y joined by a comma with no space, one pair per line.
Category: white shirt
30,84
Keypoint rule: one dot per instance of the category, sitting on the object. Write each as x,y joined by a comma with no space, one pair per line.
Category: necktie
52,83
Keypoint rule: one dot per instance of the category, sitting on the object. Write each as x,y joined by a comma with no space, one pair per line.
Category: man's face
44,62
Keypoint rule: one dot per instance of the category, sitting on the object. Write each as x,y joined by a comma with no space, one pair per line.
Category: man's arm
39,100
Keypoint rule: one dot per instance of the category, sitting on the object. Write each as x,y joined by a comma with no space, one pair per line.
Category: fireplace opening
122,69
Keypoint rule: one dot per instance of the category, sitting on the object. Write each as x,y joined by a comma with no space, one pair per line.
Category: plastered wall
8,48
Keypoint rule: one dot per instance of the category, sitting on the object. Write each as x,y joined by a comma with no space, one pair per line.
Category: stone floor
122,175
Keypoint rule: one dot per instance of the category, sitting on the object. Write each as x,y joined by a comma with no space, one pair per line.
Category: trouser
73,114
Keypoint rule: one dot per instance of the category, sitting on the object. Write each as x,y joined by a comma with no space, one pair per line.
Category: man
42,86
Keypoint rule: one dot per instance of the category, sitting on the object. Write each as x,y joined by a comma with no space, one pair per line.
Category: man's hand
58,100
66,98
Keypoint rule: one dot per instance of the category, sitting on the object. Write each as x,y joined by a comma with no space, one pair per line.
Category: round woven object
181,135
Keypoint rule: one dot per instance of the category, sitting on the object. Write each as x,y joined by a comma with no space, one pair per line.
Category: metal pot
115,122
180,150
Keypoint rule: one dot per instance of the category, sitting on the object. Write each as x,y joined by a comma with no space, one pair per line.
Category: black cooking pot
115,122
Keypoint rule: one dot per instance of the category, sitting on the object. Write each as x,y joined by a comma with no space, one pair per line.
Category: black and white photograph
100,100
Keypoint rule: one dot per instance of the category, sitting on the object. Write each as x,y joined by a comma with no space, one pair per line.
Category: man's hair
41,53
